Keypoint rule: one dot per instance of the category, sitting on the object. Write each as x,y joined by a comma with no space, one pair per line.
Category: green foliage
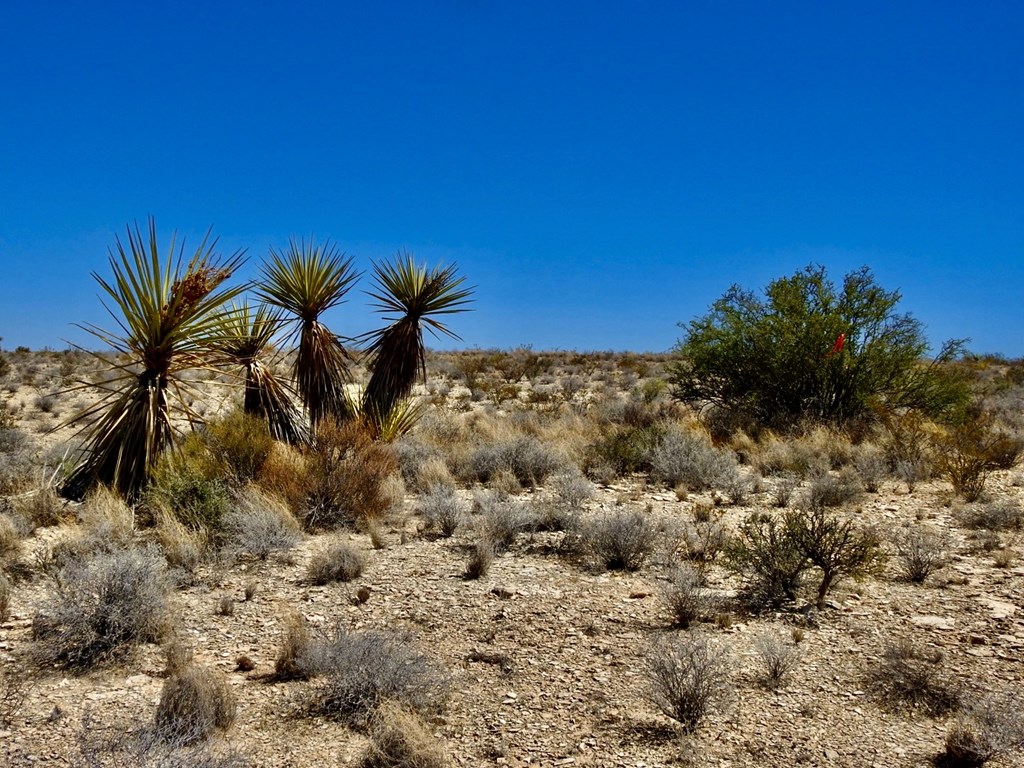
774,359
770,558
966,453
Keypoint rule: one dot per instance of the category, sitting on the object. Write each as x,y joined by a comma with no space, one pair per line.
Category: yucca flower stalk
306,280
166,311
410,296
244,339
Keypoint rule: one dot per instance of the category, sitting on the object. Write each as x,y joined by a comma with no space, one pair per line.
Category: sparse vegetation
621,540
910,676
338,561
689,678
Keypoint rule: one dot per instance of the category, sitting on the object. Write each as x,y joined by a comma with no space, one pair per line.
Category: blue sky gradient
599,170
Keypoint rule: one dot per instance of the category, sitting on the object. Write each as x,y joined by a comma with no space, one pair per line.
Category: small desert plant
306,280
833,490
835,546
871,465
442,510
5,598
101,609
480,558
689,677
776,659
338,561
909,676
687,598
768,556
183,548
782,490
912,471
136,744
621,540
920,554
967,453
501,520
525,456
239,445
184,489
686,457
1001,515
399,739
260,524
348,474
703,541
12,694
986,729
194,702
10,539
362,670
297,657
571,489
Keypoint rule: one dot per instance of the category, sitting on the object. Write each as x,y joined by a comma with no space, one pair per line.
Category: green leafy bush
810,350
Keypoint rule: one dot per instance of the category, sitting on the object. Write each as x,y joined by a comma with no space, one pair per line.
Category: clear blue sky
599,170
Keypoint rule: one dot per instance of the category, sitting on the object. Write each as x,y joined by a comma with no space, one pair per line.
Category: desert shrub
12,694
909,676
348,474
624,449
833,490
501,520
284,474
5,598
442,510
687,599
504,483
298,656
689,678
525,456
338,561
621,540
966,453
240,443
101,609
1001,515
912,472
571,489
10,540
194,702
686,457
106,521
259,524
810,351
920,554
183,548
183,489
837,547
871,465
767,555
481,557
986,729
18,469
362,670
44,508
776,661
702,542
782,490
399,739
793,457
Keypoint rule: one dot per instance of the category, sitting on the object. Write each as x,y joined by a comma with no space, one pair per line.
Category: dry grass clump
1001,515
777,661
688,600
194,702
348,475
908,676
920,553
689,678
442,510
799,457
500,520
872,466
399,739
363,670
5,597
106,520
183,547
297,656
283,475
687,457
338,561
10,540
524,456
44,508
830,490
260,524
101,608
18,469
986,729
622,540
481,557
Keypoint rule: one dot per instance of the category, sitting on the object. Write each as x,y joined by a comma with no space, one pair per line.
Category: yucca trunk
321,372
268,400
399,360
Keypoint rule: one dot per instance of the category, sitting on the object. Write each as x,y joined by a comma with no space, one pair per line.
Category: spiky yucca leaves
167,312
306,280
244,340
410,296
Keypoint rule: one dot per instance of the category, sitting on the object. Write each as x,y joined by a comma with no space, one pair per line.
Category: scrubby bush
399,739
501,520
986,729
525,456
338,561
240,444
5,598
808,350
1001,515
571,489
623,449
348,474
182,489
703,541
776,660
689,678
481,557
920,554
686,457
362,670
833,490
442,510
259,524
194,702
871,465
18,469
767,555
12,695
621,540
966,453
101,609
909,676
687,598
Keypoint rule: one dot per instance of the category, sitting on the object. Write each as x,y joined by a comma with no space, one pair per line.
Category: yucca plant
167,312
244,341
410,296
305,280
